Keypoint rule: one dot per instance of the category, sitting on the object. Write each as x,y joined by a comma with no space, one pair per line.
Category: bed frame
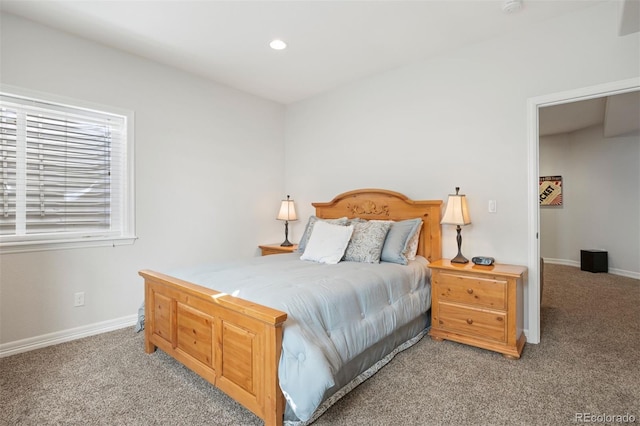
235,344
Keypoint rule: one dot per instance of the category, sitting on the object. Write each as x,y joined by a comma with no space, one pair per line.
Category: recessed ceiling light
278,45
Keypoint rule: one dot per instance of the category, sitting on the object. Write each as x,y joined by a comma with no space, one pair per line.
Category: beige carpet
587,362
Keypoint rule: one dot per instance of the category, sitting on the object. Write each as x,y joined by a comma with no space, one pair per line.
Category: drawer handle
469,321
470,290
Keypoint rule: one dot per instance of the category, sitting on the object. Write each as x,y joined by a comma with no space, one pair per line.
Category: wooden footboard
232,343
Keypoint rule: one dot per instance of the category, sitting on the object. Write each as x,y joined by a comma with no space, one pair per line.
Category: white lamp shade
287,211
457,212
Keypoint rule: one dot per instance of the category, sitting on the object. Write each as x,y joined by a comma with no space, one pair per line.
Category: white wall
601,198
209,179
456,120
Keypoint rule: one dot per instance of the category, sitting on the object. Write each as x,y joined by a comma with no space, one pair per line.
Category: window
66,175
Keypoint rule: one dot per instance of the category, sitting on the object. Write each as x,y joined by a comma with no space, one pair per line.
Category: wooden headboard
381,204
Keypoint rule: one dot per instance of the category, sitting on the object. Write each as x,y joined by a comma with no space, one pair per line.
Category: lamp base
286,243
459,259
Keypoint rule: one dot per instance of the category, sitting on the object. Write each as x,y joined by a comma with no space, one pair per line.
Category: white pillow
309,229
327,243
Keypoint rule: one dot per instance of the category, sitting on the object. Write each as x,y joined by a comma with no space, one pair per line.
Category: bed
236,343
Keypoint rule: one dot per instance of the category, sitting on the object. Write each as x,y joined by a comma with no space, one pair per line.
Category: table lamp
287,212
457,213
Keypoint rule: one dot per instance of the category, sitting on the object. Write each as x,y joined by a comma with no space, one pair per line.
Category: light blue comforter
335,312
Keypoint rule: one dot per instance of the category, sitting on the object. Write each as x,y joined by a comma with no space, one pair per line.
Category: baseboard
562,262
614,271
25,345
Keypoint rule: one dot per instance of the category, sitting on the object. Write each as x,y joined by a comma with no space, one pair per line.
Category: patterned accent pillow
355,220
367,241
309,229
412,246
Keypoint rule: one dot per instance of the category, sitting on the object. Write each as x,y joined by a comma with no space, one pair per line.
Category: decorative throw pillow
355,220
309,229
327,243
367,241
412,246
397,241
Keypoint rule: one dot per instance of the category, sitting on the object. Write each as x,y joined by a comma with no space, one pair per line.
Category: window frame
125,234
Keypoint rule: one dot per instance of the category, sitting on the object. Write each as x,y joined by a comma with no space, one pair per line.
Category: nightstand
478,305
268,249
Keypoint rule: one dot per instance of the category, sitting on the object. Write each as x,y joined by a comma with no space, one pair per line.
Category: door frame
533,127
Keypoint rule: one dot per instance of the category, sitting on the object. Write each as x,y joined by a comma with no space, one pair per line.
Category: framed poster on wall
550,191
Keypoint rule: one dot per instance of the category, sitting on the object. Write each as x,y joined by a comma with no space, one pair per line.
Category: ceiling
330,43
618,114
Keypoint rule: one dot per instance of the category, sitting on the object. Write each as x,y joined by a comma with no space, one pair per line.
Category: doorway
533,106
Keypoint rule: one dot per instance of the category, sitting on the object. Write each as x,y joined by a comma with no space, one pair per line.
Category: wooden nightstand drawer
489,292
478,305
473,322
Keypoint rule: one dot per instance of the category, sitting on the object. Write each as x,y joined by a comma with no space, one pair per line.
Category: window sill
30,246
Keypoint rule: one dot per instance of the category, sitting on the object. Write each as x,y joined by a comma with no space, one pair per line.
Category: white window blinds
62,171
